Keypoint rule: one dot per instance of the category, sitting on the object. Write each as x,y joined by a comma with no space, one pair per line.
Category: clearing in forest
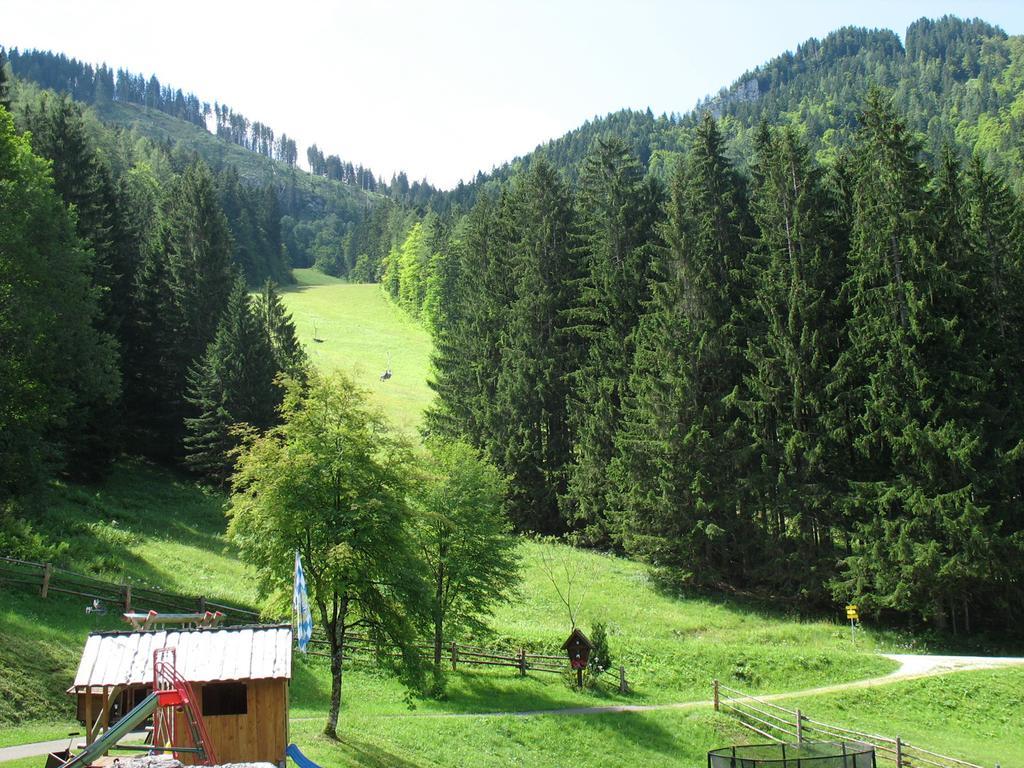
352,327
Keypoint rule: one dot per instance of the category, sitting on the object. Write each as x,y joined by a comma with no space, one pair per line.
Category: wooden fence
47,578
469,655
793,726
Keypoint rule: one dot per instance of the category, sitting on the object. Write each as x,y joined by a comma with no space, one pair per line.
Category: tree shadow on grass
637,729
475,692
366,755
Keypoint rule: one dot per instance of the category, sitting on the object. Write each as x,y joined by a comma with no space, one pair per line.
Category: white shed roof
202,655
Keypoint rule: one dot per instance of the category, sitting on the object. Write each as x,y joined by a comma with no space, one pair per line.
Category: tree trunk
337,639
331,729
438,617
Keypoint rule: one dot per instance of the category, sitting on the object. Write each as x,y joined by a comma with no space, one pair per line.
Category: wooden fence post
127,589
522,662
455,656
799,728
623,685
716,696
899,753
202,604
47,573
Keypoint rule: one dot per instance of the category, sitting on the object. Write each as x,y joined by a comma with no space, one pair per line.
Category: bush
600,654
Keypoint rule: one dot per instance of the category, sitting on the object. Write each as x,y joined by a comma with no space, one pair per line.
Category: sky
444,88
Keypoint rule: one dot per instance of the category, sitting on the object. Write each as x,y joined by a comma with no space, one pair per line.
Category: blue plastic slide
298,758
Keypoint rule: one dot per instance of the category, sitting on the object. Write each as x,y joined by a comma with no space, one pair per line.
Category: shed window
225,699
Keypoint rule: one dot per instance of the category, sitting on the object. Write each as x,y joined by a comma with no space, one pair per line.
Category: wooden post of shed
716,695
455,656
522,662
88,716
47,573
105,712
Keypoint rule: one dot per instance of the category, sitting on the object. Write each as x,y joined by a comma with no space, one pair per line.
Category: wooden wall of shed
128,698
260,735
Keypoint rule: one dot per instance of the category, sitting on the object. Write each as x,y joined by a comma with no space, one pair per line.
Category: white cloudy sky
442,88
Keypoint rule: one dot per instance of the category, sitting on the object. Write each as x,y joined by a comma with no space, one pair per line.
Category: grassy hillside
978,716
156,526
359,328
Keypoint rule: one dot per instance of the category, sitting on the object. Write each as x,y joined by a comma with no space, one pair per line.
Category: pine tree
233,383
619,212
676,470
528,425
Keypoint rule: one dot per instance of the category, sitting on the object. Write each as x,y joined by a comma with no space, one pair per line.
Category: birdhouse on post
578,647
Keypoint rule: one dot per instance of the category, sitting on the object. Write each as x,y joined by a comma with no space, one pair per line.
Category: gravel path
912,666
46,747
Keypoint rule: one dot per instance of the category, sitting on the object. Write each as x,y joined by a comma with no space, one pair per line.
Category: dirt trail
912,666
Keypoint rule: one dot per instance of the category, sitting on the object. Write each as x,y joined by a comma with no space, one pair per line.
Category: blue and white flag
300,607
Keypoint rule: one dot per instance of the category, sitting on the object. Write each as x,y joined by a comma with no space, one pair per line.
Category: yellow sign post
854,617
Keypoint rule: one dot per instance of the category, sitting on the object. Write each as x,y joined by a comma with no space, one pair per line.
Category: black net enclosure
816,754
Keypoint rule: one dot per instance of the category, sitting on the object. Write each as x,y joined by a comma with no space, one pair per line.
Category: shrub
600,654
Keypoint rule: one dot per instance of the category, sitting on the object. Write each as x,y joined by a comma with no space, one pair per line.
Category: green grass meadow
359,331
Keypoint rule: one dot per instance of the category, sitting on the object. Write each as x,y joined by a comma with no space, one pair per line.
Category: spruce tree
528,424
996,222
912,499
197,245
678,462
233,383
467,353
619,212
57,367
84,180
289,356
791,349
5,86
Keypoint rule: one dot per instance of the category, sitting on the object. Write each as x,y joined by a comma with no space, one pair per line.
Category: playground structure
154,620
207,687
172,699
837,754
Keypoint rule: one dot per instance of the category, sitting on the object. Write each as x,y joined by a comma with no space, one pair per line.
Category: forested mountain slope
957,82
325,216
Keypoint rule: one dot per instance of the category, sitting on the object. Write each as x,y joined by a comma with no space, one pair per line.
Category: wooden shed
240,676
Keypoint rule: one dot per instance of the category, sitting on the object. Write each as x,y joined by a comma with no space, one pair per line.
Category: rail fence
781,724
46,578
456,654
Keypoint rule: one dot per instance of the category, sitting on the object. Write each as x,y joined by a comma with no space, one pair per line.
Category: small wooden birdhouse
578,647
